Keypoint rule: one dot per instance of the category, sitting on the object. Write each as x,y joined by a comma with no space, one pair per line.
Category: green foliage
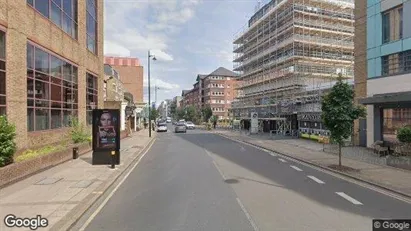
339,111
7,144
207,113
404,134
79,133
213,119
180,113
190,114
31,154
173,108
154,114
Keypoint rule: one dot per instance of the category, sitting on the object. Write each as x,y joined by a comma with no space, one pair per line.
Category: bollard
113,159
75,152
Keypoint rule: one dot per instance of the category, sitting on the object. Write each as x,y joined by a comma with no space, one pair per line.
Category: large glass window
91,96
395,119
395,64
51,90
2,72
392,25
63,13
92,25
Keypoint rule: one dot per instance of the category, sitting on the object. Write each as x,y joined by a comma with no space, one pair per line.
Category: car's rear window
162,124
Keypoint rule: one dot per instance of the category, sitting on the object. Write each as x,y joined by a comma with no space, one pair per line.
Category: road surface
202,181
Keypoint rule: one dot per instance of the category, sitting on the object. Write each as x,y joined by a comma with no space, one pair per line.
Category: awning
387,98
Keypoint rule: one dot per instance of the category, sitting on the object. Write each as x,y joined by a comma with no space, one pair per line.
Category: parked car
162,127
180,127
190,125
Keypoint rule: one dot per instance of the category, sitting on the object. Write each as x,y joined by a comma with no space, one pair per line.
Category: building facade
216,90
360,67
114,87
58,47
289,50
131,73
389,69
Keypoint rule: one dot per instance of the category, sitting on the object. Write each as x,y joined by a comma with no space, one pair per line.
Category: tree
173,108
191,113
7,143
180,113
207,113
154,114
339,113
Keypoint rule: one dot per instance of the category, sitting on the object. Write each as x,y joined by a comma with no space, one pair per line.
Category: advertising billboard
106,134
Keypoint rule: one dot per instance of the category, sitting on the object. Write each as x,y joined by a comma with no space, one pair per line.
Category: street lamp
149,93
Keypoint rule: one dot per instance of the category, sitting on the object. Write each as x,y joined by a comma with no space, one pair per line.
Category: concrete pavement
202,181
61,194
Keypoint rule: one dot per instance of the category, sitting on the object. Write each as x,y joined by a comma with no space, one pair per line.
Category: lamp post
149,93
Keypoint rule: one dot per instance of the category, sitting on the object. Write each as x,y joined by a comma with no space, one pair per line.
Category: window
2,73
52,90
395,64
91,97
63,13
393,119
92,25
392,24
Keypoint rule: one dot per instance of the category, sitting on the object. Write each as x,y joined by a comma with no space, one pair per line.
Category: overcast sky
187,36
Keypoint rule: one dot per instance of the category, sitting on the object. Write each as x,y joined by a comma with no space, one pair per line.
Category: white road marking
296,168
250,219
336,175
115,189
316,179
219,170
282,160
348,198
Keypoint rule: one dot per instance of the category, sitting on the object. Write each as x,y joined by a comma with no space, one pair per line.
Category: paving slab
58,191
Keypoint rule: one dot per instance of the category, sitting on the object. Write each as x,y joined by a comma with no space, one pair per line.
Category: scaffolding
289,51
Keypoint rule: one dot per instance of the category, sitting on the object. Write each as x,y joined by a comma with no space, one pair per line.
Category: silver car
180,127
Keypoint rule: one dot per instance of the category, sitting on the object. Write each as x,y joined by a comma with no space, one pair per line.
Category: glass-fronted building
388,69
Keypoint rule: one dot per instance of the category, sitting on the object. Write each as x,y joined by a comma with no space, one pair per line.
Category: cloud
114,49
140,25
163,85
161,55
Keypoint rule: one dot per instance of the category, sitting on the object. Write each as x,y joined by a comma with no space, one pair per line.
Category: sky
188,37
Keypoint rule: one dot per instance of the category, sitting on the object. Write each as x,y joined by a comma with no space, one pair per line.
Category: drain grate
48,181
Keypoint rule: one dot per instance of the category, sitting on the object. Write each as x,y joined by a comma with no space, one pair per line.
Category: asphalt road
202,181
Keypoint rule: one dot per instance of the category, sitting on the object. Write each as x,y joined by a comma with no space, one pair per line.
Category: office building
389,69
51,66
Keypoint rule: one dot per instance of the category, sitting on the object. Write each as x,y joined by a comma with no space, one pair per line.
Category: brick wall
360,54
23,23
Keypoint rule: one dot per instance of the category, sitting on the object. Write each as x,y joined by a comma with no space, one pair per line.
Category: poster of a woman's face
106,130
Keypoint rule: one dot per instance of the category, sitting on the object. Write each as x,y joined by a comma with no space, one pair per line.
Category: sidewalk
62,193
387,177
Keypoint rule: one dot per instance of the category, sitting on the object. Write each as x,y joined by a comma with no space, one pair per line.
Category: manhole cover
48,181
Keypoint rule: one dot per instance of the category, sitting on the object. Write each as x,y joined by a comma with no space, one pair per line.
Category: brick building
217,90
360,64
51,66
131,73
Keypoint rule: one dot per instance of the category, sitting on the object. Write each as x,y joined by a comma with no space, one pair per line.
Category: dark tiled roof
221,71
185,92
